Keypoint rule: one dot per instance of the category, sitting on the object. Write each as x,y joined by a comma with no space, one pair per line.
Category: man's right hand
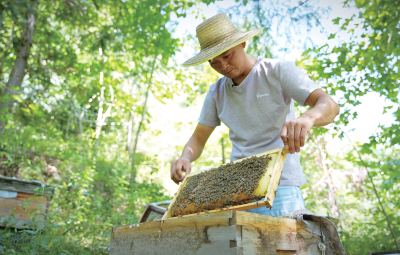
177,167
191,152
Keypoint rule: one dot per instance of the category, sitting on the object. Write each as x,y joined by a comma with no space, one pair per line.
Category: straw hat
217,35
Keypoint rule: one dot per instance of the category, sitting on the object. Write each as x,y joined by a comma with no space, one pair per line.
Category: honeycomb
225,186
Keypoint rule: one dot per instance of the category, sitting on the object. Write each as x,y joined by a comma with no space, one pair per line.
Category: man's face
231,63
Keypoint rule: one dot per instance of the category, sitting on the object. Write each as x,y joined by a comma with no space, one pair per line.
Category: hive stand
228,232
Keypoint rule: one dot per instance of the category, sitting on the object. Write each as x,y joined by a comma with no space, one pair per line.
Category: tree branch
375,191
5,52
301,4
133,168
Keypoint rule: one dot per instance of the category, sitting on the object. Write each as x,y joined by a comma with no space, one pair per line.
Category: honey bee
220,187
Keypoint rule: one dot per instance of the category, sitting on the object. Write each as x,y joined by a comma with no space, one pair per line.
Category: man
255,101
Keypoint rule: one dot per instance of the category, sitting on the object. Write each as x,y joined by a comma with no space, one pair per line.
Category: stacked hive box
227,232
23,203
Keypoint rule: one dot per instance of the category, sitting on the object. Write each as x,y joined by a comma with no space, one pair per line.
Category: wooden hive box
152,212
227,232
22,203
267,186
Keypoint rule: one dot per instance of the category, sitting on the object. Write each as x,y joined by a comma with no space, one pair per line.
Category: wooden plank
262,234
275,179
30,187
267,185
228,232
150,208
204,234
168,213
25,209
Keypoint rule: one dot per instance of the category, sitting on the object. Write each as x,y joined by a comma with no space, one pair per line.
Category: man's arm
324,110
191,152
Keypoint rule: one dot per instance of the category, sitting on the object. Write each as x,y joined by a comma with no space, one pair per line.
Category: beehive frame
272,177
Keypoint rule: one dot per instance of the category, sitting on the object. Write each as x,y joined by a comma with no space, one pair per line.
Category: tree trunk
133,167
78,117
3,14
18,71
6,51
101,117
130,129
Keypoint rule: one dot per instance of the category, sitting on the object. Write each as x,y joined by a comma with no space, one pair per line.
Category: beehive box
152,212
266,166
22,203
227,232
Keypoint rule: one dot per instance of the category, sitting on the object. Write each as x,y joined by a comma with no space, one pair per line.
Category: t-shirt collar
230,83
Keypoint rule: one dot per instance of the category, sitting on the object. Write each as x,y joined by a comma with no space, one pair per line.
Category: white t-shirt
256,110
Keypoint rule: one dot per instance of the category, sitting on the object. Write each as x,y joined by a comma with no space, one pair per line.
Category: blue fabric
287,200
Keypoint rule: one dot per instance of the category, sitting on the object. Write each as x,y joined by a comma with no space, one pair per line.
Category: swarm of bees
227,185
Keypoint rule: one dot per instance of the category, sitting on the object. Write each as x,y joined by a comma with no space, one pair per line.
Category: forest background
94,101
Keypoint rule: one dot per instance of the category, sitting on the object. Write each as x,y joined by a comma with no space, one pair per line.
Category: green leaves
331,36
364,64
88,57
288,20
336,21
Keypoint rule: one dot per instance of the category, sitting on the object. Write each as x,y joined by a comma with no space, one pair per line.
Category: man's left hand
324,110
294,133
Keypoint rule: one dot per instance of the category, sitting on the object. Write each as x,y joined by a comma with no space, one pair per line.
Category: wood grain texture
205,234
30,187
262,234
228,232
25,209
150,208
275,178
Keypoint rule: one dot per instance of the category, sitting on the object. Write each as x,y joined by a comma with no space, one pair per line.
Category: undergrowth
77,221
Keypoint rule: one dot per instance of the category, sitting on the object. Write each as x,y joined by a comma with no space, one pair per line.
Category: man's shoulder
278,66
218,85
271,61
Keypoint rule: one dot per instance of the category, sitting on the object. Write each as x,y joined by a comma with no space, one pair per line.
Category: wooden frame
270,179
151,208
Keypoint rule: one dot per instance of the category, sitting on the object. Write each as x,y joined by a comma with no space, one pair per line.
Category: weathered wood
24,210
275,178
27,206
227,232
30,187
262,234
150,208
267,186
205,234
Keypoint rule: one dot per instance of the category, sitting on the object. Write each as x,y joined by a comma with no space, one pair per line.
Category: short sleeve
209,116
295,83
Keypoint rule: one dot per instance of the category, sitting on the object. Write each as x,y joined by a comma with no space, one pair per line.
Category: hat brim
212,52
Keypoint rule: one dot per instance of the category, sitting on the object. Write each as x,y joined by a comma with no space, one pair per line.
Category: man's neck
251,61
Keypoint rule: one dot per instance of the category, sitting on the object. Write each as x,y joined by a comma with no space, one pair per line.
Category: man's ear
244,45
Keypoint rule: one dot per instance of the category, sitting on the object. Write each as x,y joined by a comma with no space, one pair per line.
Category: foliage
367,62
89,69
81,106
361,218
79,221
286,24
